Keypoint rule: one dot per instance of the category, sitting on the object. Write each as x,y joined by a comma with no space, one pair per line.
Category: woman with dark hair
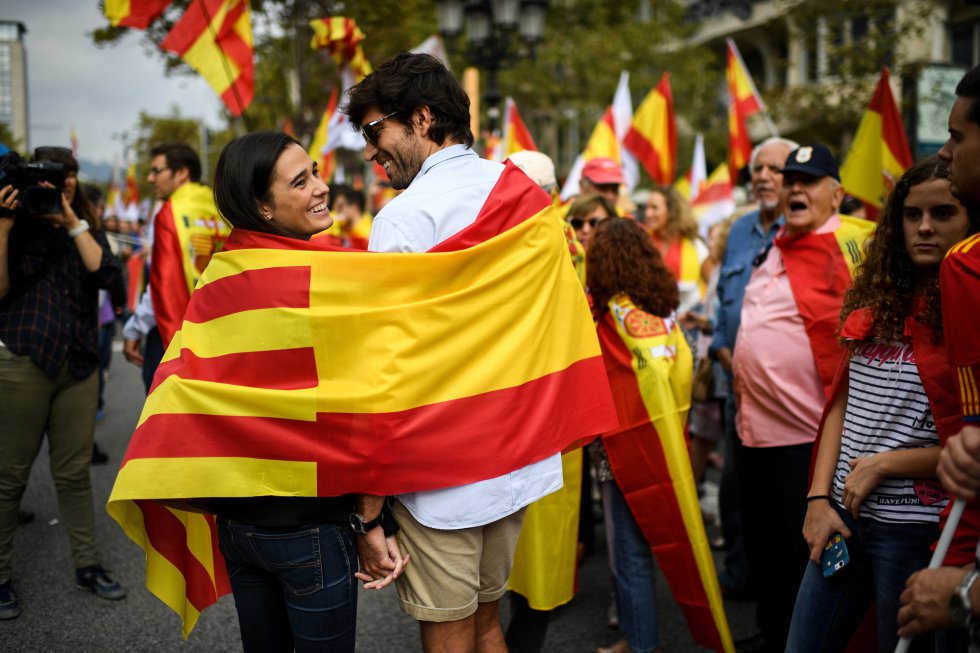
675,234
290,560
649,367
874,479
585,214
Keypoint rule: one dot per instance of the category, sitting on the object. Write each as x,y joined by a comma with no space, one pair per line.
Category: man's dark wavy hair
406,82
969,87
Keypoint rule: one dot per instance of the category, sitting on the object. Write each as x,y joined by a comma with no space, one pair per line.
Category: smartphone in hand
834,556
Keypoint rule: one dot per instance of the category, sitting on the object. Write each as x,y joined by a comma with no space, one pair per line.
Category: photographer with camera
53,260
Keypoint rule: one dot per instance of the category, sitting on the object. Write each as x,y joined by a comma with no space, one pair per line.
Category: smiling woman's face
299,196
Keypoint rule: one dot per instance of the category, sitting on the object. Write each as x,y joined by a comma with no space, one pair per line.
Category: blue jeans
883,555
636,599
293,588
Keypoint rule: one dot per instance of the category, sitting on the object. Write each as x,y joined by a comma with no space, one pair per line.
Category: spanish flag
649,366
515,136
652,136
137,14
342,37
880,152
743,102
303,370
324,160
214,37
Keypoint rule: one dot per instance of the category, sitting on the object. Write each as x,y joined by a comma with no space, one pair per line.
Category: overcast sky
99,90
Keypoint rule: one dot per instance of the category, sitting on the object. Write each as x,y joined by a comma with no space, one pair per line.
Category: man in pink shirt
780,393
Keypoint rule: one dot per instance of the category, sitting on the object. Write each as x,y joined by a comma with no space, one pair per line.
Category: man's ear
182,175
838,197
422,120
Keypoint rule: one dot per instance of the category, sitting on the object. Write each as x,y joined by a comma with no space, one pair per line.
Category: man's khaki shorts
451,571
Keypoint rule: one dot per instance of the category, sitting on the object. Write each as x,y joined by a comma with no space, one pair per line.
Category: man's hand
380,559
959,463
925,601
131,350
8,202
724,356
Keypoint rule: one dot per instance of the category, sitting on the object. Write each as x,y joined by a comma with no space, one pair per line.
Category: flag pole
224,63
940,553
755,91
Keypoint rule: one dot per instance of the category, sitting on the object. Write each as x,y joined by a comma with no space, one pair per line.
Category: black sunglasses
578,223
371,130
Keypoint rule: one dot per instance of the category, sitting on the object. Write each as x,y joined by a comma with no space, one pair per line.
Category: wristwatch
360,526
960,605
79,229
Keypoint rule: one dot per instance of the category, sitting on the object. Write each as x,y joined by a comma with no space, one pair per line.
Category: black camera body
27,178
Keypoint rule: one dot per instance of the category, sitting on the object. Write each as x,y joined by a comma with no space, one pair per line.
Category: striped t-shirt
887,409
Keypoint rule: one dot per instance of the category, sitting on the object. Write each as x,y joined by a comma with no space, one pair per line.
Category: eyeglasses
371,130
48,152
155,170
578,223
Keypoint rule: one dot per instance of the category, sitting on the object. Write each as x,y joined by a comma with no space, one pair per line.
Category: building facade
13,82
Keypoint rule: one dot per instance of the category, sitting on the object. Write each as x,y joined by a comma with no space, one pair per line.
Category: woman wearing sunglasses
585,214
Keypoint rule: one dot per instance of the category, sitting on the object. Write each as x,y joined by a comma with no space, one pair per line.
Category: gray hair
772,140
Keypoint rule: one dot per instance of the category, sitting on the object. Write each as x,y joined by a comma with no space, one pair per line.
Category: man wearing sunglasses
415,120
186,232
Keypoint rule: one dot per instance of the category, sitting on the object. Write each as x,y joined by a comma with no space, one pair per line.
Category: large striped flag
880,152
649,367
342,37
137,14
303,370
515,136
743,102
214,37
652,137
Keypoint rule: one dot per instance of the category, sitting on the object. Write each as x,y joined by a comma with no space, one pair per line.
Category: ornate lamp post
495,31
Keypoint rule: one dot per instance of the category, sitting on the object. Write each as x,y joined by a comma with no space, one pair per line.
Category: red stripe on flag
169,538
514,199
357,452
288,287
282,369
247,239
191,26
892,129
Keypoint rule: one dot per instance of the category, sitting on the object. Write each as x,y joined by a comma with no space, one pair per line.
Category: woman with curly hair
874,480
675,233
635,298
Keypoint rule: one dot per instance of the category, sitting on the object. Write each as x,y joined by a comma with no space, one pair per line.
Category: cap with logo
814,160
601,170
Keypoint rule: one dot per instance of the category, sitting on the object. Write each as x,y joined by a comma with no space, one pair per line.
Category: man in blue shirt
750,236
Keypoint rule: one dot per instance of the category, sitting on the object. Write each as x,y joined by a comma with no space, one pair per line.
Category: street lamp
494,30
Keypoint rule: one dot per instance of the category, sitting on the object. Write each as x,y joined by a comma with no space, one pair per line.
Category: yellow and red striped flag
743,102
214,37
303,370
515,136
880,152
132,187
652,136
324,159
137,14
342,37
649,367
714,201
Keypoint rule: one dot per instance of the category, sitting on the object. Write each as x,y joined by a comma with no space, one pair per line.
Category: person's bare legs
449,636
477,633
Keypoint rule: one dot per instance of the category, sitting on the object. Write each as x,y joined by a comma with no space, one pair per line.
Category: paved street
57,617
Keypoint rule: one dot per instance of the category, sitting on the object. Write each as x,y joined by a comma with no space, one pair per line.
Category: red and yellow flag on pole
652,137
515,136
649,367
137,14
303,370
342,37
132,187
880,152
325,160
214,37
743,102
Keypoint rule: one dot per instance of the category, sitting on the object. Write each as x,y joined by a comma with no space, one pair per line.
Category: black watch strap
360,526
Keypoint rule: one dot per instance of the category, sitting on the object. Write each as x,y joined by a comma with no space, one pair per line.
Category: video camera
27,178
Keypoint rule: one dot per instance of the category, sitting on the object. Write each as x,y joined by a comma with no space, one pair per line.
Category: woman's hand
821,522
380,559
8,203
865,476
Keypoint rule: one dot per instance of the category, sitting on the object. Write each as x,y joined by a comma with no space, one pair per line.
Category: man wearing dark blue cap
784,363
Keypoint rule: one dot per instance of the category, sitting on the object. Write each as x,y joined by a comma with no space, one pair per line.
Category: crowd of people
827,363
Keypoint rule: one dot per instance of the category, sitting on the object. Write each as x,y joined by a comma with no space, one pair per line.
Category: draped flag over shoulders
137,14
652,136
880,153
649,366
303,370
214,37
